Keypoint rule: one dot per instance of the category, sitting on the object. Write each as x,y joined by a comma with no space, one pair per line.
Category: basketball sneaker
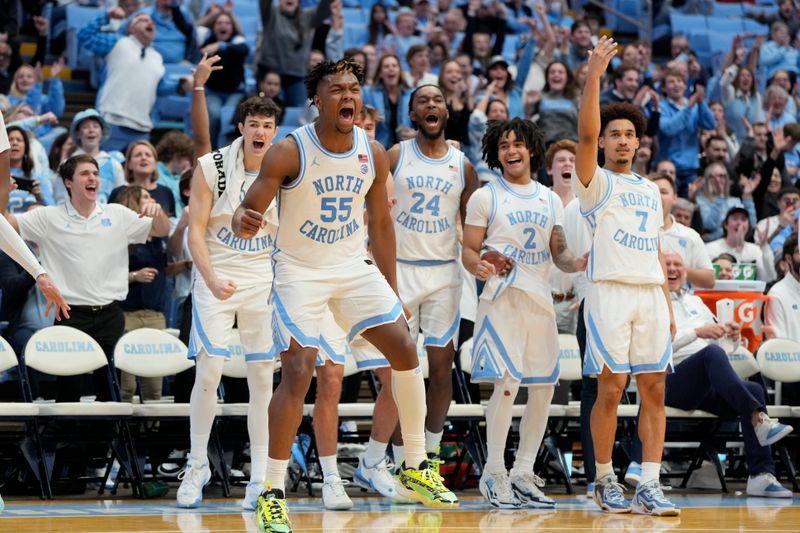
769,430
272,516
251,493
379,479
496,488
649,499
526,488
334,497
767,486
435,462
424,485
610,495
633,474
193,478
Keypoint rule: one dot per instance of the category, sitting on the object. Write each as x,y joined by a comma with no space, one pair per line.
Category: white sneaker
497,489
378,478
526,488
194,477
251,494
769,430
171,470
767,486
633,474
334,498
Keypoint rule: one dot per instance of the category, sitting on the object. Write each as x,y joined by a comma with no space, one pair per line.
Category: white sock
276,473
603,469
650,472
399,454
259,384
532,427
498,421
329,466
199,444
258,463
432,441
408,389
375,452
203,403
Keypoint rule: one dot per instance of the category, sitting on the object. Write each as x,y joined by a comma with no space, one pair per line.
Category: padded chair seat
18,409
573,410
234,409
673,412
463,410
558,411
627,410
796,412
779,411
85,409
164,410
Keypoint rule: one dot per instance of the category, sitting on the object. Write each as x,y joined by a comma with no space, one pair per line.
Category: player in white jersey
628,309
231,284
516,338
325,174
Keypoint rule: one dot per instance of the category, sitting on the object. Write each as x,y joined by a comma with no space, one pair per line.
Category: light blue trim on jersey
426,262
637,179
590,272
663,364
426,159
197,326
445,339
494,204
253,174
605,356
487,327
506,281
312,134
295,182
378,320
337,358
530,196
260,357
604,200
371,364
400,158
552,379
301,338
461,171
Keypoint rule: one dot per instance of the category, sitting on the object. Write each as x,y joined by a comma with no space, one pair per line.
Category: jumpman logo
314,162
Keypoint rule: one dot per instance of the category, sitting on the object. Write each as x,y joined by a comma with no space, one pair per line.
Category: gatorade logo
746,313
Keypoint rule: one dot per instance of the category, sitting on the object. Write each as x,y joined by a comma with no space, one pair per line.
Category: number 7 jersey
428,195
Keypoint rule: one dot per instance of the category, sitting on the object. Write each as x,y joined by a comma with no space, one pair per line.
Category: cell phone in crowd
24,184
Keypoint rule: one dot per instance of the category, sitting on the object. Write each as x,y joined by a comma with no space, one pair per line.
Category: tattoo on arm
563,258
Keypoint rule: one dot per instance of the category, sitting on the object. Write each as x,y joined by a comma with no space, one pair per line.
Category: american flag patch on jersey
363,158
452,168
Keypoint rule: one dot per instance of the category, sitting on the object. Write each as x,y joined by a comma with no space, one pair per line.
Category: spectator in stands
486,110
724,264
175,152
6,72
473,81
28,88
134,71
379,26
175,36
786,13
144,304
419,72
288,31
580,43
389,94
30,186
557,105
679,47
453,25
703,378
775,100
90,239
736,227
721,132
482,24
404,36
683,210
788,82
741,99
715,150
682,239
644,156
715,201
62,148
678,125
232,49
141,170
778,52
627,87
89,130
777,228
459,103
501,86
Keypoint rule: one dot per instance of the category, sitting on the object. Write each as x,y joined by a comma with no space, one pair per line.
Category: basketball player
326,172
516,339
628,311
233,284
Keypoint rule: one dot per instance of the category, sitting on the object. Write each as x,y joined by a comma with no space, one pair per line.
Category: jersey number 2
530,244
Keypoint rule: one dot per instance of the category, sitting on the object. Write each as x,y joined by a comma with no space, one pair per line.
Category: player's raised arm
589,112
281,163
381,228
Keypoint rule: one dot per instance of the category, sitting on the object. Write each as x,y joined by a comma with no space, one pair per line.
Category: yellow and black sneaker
435,462
425,485
271,513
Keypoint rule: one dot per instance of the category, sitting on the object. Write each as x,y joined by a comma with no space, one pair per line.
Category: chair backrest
422,355
569,356
779,360
63,351
8,359
236,366
743,363
151,353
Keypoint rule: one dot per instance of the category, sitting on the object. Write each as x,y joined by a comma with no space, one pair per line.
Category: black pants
105,325
588,397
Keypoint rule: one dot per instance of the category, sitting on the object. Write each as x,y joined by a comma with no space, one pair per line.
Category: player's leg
608,494
533,425
494,483
259,383
439,394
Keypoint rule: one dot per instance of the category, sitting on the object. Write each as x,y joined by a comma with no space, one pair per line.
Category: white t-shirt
783,310
750,253
579,241
86,257
3,136
687,243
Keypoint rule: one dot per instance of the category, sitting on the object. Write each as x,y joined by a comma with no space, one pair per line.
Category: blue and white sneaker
650,500
497,489
765,485
769,430
527,488
633,474
610,495
251,494
194,477
590,490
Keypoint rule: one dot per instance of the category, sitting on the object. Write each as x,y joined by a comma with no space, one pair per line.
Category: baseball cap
497,60
85,115
734,210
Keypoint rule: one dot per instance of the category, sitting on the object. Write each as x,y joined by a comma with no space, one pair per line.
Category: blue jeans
215,101
121,137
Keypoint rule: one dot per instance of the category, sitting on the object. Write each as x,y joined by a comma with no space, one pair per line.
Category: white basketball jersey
245,261
625,215
519,227
322,210
428,195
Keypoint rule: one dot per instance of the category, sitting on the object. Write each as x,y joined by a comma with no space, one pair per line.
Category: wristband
200,88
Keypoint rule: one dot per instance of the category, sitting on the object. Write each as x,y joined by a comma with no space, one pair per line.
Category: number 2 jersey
428,195
321,211
625,215
519,221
